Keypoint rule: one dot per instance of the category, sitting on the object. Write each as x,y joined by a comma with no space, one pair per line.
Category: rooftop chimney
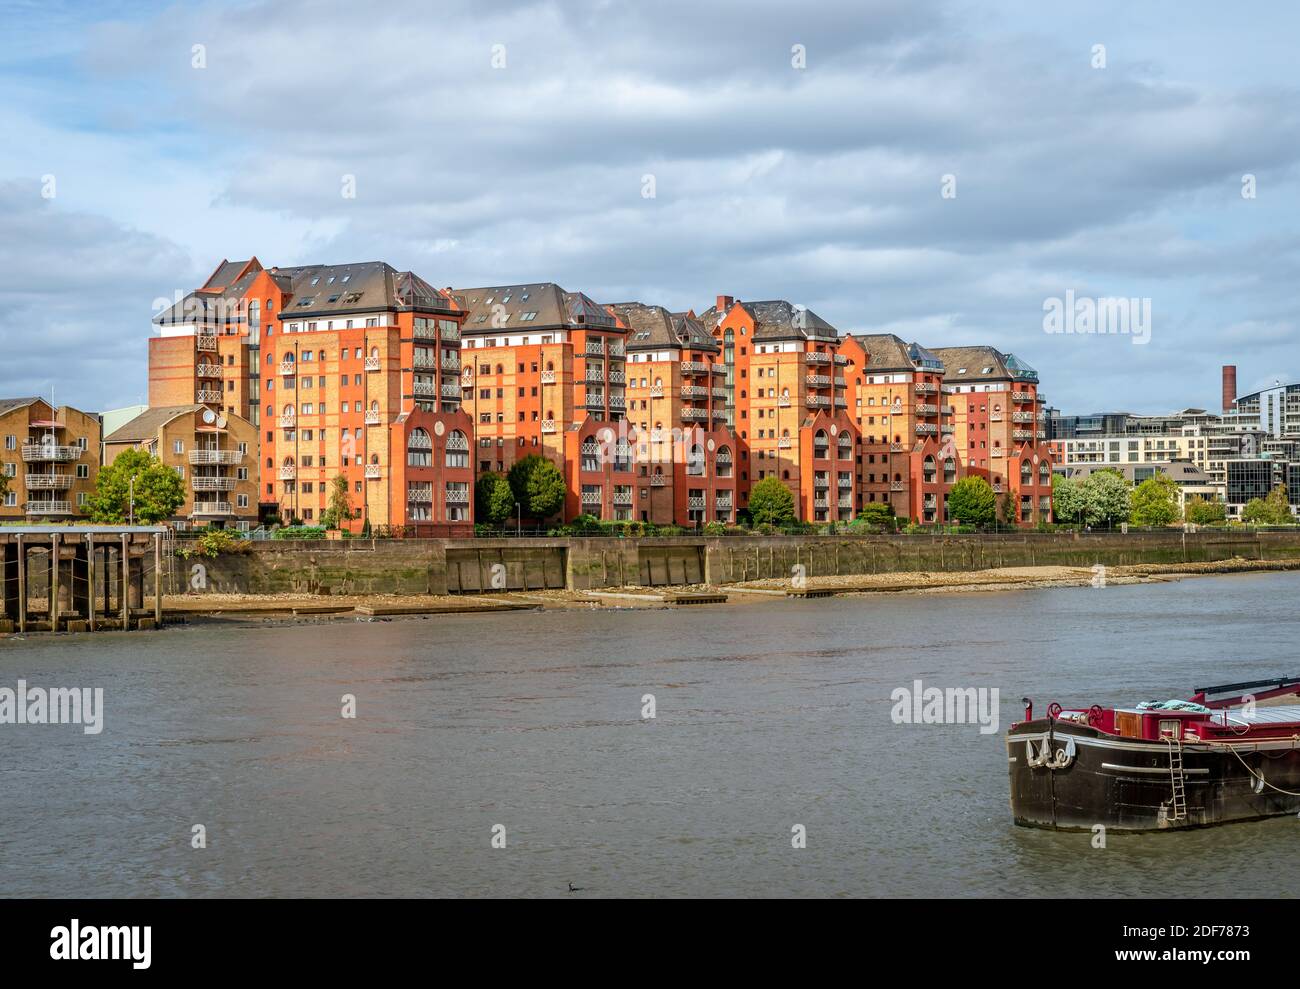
724,303
1229,385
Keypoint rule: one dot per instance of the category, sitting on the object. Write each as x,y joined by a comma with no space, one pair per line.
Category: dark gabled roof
968,364
777,320
8,405
887,352
227,272
145,426
367,286
654,327
502,308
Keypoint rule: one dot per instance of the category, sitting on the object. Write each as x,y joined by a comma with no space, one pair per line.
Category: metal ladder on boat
1178,779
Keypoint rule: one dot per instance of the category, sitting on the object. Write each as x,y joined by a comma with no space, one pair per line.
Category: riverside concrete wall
442,566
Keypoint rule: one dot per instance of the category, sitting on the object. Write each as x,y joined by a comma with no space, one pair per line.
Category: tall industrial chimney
1229,385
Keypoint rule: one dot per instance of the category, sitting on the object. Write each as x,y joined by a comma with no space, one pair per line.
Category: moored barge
1220,756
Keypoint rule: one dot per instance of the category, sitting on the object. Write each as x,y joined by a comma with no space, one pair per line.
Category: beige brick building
49,457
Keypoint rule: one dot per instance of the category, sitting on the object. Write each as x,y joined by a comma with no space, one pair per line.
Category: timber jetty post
68,578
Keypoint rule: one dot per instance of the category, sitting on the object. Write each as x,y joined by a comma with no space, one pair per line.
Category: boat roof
1276,714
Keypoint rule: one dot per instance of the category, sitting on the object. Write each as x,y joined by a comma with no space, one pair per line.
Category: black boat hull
1127,784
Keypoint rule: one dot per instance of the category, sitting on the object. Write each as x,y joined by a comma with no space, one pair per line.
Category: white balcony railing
288,420
927,428
548,426
658,480
817,402
817,381
213,483
373,417
36,453
925,388
457,495
814,357
225,458
373,472
206,341
211,508
208,371
372,363
288,369
206,396
548,377
48,482
42,508
694,367
450,389
288,472
591,497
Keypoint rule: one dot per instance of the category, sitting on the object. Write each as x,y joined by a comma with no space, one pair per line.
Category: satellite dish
221,422
209,416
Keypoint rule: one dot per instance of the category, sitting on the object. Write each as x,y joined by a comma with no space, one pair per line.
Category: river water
768,715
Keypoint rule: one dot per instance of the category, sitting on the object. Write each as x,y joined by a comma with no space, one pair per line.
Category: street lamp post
519,520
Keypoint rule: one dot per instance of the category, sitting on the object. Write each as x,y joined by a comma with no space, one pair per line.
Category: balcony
895,447
783,443
207,396
49,453
48,482
821,503
658,480
595,347
594,399
1022,417
428,332
695,415
817,381
457,495
423,362
694,391
222,458
450,389
1022,434
451,332
373,472
925,388
288,369
623,496
617,402
946,427
451,365
208,371
841,360
656,391
595,374
719,413
723,501
206,341
719,369
815,357
783,402
288,472
695,502
425,389
694,367
458,442
373,363
548,426
846,482
548,377
1022,396
817,402
895,485
43,508
591,497
997,451
213,483
420,495
617,378
925,409
616,348
211,508
927,429
288,420
374,417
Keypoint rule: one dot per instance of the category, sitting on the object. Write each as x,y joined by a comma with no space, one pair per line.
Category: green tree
1107,497
4,486
971,501
1279,506
159,490
1069,503
877,513
1155,502
537,485
1201,511
494,501
1255,512
771,503
340,505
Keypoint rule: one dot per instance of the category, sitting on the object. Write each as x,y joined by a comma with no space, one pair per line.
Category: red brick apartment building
347,370
908,458
545,372
49,457
686,455
1000,426
788,401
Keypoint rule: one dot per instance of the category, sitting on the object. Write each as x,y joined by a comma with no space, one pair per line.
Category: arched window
458,449
419,449
928,468
821,444
374,351
949,471
723,461
695,460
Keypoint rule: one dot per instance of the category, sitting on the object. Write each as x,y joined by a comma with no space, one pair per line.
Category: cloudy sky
492,141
